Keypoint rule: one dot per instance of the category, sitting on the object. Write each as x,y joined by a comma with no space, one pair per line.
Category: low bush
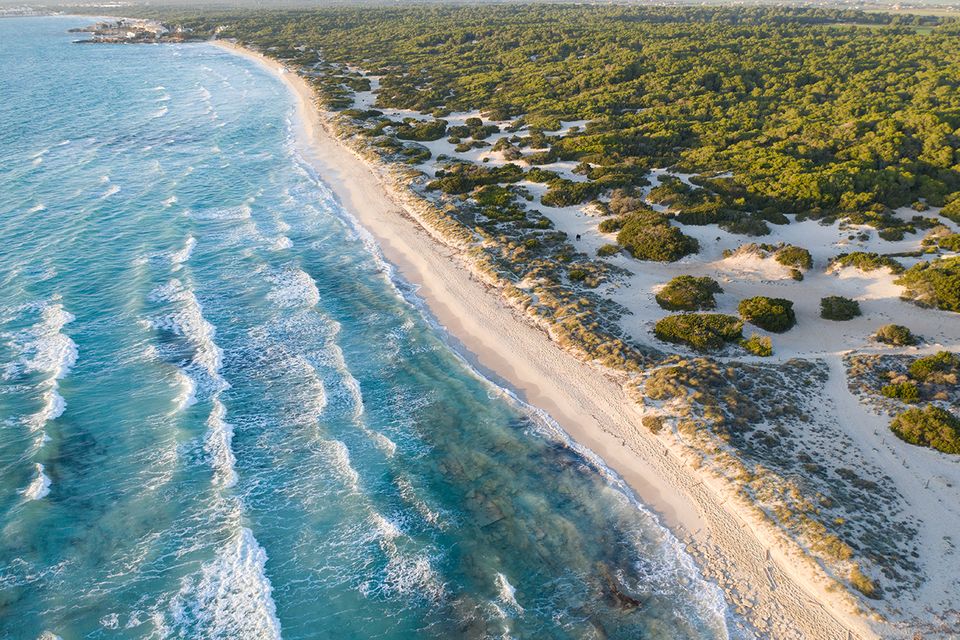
422,131
758,345
688,293
772,314
904,391
931,426
796,257
867,261
951,210
895,334
839,308
702,331
933,368
608,250
649,236
933,284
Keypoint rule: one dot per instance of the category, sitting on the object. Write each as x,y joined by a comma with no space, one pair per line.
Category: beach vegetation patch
648,235
903,391
758,345
895,334
702,331
866,261
772,314
937,368
689,293
793,256
422,131
839,308
933,284
929,426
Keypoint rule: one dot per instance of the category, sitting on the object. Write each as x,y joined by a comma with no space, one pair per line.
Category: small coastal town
133,31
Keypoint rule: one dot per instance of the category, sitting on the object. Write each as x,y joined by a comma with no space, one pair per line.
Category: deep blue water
223,417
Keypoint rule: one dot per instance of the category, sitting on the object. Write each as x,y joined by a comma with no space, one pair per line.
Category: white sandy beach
766,579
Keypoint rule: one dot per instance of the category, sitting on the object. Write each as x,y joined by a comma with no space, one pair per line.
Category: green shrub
933,367
536,174
951,210
612,225
648,236
702,331
933,284
943,238
746,225
608,250
905,391
493,195
758,345
930,426
687,293
566,193
772,314
796,257
839,308
422,131
895,334
867,261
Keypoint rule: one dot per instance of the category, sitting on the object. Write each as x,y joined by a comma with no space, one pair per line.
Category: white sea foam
281,243
218,446
159,113
177,258
53,407
187,396
386,530
293,288
170,201
430,516
231,597
47,349
112,190
408,576
241,212
385,444
506,593
44,349
39,487
187,320
338,458
37,208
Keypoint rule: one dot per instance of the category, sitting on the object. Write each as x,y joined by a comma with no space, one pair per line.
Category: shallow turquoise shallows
224,417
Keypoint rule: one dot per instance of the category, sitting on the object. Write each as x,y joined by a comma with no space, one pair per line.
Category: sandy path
780,595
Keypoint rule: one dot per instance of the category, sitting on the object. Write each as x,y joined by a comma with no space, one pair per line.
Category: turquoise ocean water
222,416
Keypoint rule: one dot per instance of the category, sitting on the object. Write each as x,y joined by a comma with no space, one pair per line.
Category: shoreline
763,580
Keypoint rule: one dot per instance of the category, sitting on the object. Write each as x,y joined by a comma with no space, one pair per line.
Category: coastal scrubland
643,183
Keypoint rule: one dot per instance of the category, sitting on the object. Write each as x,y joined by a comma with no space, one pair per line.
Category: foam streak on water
45,353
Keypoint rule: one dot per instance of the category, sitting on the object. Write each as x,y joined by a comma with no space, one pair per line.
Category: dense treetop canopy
809,109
